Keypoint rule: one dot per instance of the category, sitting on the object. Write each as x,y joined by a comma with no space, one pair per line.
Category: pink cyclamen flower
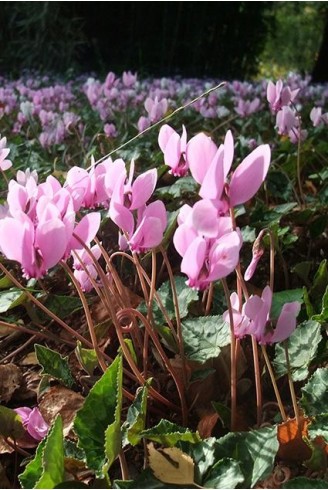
279,96
257,310
4,152
84,267
206,261
129,79
33,422
286,120
155,108
317,118
174,148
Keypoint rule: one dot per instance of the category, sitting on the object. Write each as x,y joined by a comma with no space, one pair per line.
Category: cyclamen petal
47,234
228,153
249,175
122,217
183,237
142,188
213,182
86,230
200,153
16,241
286,323
224,256
164,135
205,218
193,262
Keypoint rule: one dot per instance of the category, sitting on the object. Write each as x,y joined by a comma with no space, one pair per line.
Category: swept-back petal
86,230
50,239
193,261
17,239
164,135
122,217
228,153
205,218
213,182
249,175
142,188
286,323
200,152
224,256
183,237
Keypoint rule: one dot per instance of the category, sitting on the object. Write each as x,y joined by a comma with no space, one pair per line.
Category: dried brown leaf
10,380
61,400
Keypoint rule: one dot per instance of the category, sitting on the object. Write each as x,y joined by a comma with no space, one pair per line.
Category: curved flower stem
165,359
233,374
156,295
123,465
291,385
150,315
209,299
258,386
156,395
84,302
274,383
32,332
177,316
48,312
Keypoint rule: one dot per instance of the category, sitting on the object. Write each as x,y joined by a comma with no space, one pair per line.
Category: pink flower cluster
38,224
206,238
253,318
280,99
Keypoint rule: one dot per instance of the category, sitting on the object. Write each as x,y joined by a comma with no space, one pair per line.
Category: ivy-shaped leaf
99,411
226,473
204,337
255,451
319,426
302,347
54,365
168,434
314,399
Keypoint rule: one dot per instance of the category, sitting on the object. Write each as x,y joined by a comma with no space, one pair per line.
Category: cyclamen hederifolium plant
179,309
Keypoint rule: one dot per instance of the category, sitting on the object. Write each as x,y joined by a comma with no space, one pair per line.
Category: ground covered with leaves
164,283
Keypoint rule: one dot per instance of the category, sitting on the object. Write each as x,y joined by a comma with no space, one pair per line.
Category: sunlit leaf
168,434
46,470
171,465
10,423
136,418
226,473
97,414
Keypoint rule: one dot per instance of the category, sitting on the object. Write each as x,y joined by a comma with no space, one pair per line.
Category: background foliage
221,39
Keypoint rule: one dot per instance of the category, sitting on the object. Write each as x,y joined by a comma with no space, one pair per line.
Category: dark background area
192,39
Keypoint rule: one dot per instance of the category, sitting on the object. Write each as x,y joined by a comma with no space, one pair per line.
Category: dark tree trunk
320,70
